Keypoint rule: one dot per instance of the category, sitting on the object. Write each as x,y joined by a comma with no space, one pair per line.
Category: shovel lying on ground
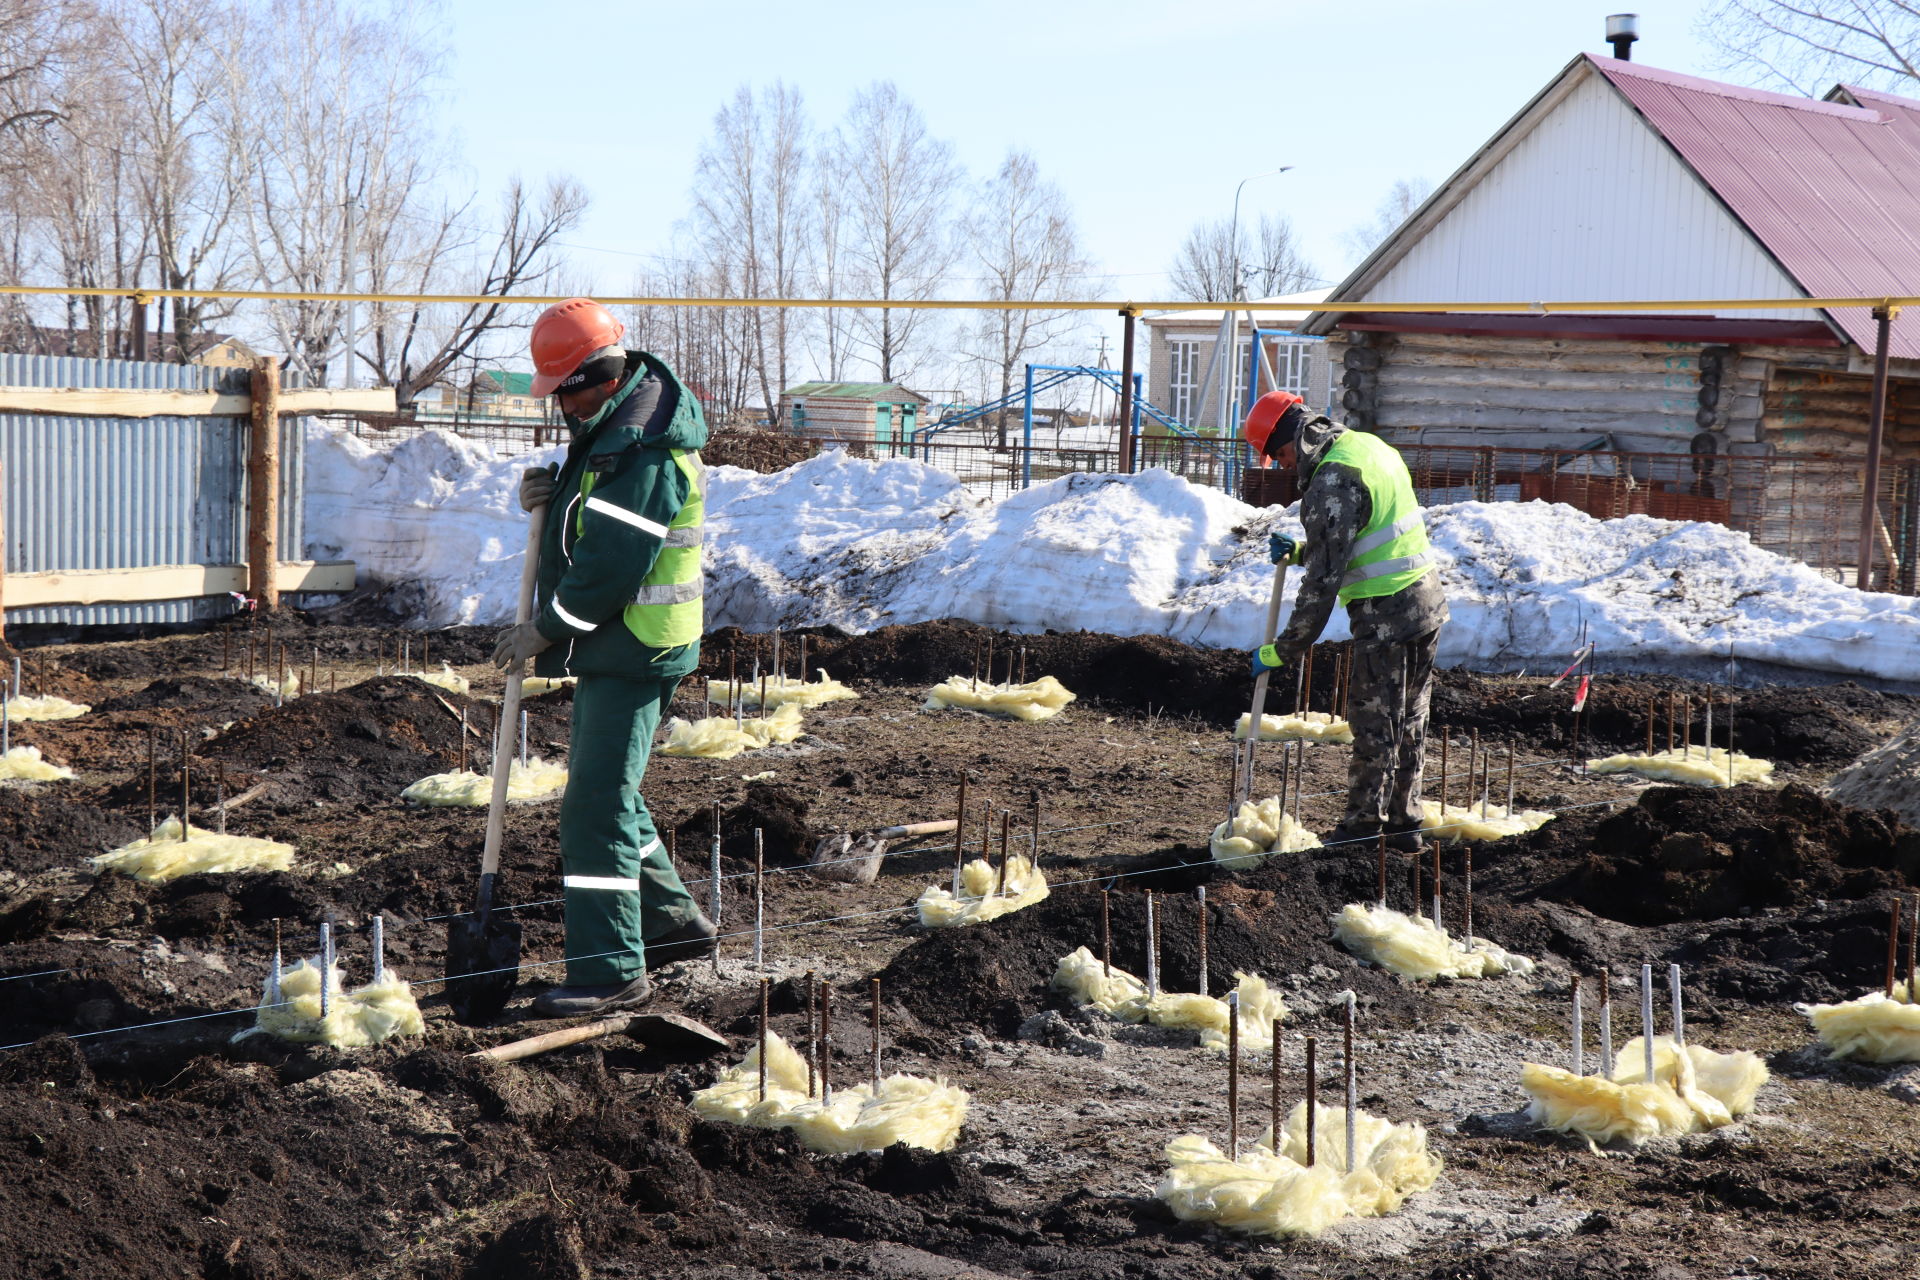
668,1034
855,858
483,950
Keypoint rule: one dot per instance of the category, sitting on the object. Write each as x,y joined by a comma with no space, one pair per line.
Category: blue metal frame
1054,375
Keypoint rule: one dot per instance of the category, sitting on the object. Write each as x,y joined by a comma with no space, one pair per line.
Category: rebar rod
1382,895
1679,1009
1200,932
279,965
153,782
1893,943
813,1031
326,969
1436,885
766,985
760,899
1466,895
1353,1084
1273,1089
1579,1039
1913,936
960,833
377,929
873,994
826,1041
1006,834
713,868
1106,933
1646,1017
1313,1101
1153,949
1446,735
1233,1075
186,789
1606,1024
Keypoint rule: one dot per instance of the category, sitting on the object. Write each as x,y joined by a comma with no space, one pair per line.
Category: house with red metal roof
1623,184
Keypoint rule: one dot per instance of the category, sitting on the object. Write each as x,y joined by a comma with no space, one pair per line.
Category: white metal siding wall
1591,205
120,493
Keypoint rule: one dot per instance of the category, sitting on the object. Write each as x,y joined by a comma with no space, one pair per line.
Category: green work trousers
620,885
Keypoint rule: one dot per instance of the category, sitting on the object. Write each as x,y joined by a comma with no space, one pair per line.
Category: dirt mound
1813,726
1688,853
778,814
55,827
1273,921
1888,777
206,697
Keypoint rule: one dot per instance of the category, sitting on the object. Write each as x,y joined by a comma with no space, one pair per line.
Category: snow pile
911,1109
24,764
841,541
1115,991
1308,726
1272,1193
165,856
1870,1029
1415,947
1258,830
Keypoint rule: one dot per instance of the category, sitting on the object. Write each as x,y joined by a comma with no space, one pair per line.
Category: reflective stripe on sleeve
625,516
560,612
1381,537
623,884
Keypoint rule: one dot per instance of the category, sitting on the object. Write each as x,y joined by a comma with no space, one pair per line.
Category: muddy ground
139,1150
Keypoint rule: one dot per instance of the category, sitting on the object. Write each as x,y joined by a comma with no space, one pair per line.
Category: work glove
517,644
536,488
1281,549
1266,658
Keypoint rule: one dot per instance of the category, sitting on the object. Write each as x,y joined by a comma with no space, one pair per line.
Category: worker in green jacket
618,606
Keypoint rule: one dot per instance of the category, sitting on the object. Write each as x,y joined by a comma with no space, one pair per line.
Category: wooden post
1876,437
263,485
1126,391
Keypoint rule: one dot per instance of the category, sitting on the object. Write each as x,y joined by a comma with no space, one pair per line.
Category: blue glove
1266,658
1281,548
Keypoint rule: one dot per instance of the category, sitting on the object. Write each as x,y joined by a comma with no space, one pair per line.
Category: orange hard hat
565,335
1265,415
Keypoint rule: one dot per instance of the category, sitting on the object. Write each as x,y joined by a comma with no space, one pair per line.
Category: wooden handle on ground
505,727
939,828
515,1050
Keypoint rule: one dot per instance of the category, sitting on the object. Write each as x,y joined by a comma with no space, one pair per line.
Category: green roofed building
863,412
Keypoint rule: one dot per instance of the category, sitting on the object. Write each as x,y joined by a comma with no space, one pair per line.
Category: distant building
216,349
499,393
1181,346
877,412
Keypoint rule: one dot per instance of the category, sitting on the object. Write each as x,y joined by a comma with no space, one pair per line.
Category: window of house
1187,365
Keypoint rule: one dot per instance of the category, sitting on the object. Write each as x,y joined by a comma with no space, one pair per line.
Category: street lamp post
1233,231
1227,346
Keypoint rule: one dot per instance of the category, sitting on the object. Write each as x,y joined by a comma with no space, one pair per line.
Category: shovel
1260,685
483,952
855,858
668,1034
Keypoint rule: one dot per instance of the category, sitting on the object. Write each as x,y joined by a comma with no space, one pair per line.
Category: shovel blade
673,1035
855,862
483,967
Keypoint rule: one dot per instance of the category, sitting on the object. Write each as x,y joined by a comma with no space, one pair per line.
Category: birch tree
1211,267
1806,45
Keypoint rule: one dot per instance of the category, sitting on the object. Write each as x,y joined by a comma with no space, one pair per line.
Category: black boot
690,941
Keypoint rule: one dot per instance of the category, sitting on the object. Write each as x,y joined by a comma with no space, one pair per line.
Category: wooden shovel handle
515,1050
911,829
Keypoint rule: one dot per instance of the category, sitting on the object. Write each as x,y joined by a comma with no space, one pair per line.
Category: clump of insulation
535,780
1477,822
911,1109
45,708
1693,1090
981,898
367,1015
1696,766
782,690
289,687
1271,1193
1415,947
1035,700
164,855
1308,726
446,678
534,686
1258,830
24,764
1115,991
723,738
1870,1029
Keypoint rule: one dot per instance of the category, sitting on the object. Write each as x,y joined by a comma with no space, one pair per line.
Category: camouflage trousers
1387,708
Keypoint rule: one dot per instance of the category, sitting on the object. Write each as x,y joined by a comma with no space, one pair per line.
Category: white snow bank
857,544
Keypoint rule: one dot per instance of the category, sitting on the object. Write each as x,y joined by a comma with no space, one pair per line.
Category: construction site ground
160,1146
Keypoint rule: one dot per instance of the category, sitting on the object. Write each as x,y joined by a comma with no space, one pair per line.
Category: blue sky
1146,114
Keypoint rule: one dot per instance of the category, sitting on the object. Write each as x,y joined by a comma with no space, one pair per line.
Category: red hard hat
1265,414
565,335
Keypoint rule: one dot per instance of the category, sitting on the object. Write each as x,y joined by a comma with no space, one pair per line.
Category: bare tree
1020,232
1402,198
1805,45
1267,257
898,180
751,216
830,329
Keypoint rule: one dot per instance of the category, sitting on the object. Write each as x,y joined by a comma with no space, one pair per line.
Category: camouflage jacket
1334,509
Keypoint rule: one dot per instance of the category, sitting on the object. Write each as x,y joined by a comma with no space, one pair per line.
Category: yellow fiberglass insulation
1697,766
47,708
355,1019
287,688
722,738
911,1109
980,898
1258,830
782,690
24,764
164,855
1693,1090
534,686
1035,700
445,678
1870,1029
536,780
1311,726
1279,1194
1414,947
1456,823
1119,993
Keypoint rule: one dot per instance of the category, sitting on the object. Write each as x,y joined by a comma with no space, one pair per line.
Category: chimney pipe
1622,30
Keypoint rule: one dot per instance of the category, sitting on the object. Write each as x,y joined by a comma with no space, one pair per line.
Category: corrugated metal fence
123,493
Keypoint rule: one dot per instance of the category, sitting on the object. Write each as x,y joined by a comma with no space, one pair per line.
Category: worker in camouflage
1366,547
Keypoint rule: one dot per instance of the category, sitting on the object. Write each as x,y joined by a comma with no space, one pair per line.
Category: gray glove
517,644
536,488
